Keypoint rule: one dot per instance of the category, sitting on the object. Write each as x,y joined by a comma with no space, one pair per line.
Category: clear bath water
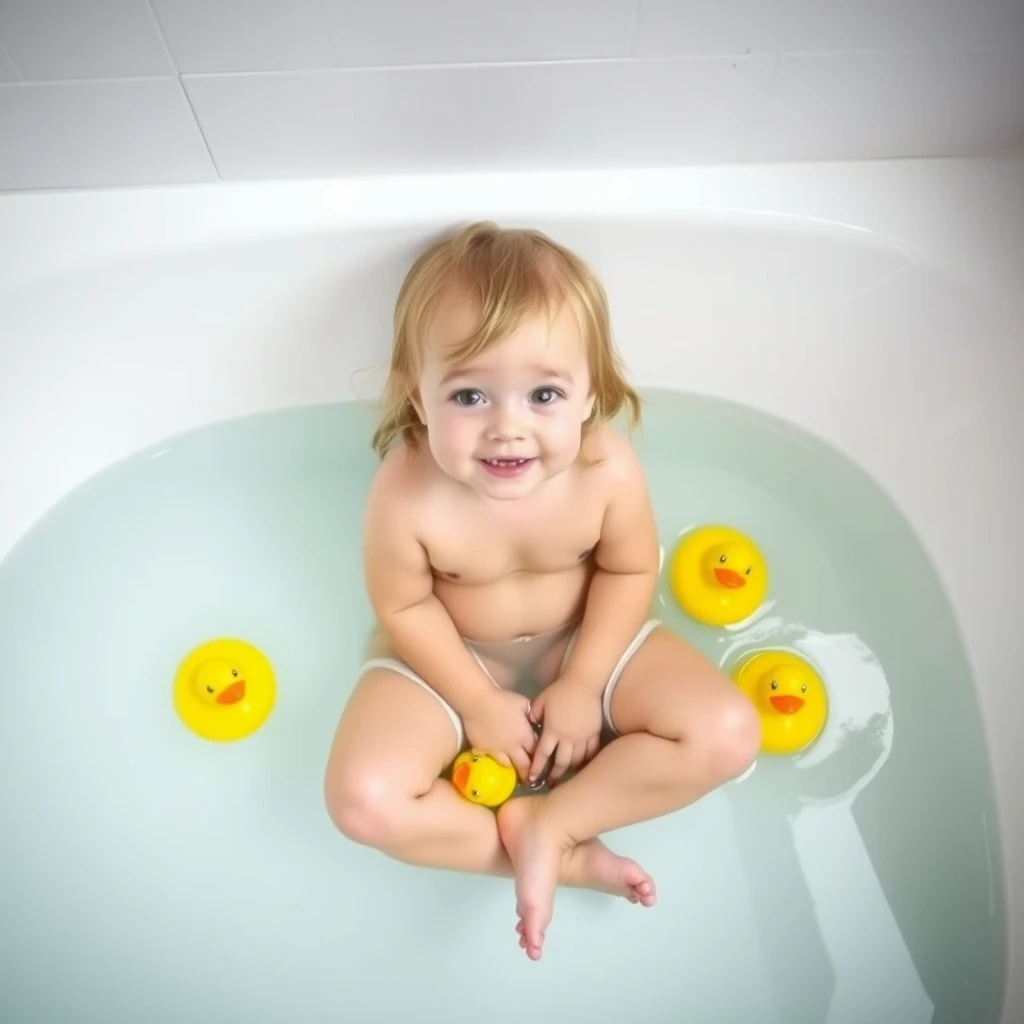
147,875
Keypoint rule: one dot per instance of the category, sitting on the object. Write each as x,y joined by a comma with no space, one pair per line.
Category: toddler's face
512,417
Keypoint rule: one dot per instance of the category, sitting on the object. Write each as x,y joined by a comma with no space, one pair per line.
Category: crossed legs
684,729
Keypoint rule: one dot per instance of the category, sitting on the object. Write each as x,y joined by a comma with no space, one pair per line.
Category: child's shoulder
399,484
402,470
611,455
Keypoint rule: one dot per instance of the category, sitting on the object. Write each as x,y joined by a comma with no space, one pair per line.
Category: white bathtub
877,305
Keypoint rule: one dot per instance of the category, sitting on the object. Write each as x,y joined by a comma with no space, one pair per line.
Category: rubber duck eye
475,792
474,759
749,567
775,685
721,558
234,672
209,689
803,689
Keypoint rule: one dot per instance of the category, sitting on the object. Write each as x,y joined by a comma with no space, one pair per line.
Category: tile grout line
181,86
163,36
17,70
636,28
199,128
478,66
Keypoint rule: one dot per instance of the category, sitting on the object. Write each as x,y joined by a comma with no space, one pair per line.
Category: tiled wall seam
936,88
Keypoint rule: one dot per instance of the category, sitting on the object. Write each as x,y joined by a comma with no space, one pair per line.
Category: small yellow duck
482,780
718,575
789,697
224,690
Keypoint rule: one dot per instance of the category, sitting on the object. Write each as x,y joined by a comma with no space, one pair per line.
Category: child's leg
684,728
382,789
382,785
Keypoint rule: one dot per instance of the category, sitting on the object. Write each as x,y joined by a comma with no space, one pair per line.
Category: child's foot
593,866
541,858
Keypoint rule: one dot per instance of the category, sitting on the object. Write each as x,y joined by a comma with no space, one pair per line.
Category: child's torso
517,568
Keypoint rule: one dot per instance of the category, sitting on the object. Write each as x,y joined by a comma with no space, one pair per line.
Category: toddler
511,558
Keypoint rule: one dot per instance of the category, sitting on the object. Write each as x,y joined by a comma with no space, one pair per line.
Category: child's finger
563,759
521,762
542,754
529,737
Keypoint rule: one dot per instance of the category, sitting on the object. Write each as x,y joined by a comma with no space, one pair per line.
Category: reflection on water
808,869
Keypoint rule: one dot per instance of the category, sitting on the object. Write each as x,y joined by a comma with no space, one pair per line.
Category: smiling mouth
507,468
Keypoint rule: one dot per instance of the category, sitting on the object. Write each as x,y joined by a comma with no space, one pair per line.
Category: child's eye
545,396
467,396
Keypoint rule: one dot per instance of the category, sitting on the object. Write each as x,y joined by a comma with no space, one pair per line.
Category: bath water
146,874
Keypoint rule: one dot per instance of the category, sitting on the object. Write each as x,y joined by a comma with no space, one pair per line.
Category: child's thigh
393,740
671,689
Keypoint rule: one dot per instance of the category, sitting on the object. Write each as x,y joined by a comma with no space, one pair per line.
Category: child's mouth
507,467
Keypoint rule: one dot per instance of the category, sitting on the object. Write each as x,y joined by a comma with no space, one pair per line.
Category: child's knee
363,804
733,737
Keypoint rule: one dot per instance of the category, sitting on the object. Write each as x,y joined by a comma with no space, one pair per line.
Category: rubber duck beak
787,703
233,694
730,578
460,777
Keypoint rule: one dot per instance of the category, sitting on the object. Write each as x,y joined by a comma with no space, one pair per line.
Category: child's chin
506,490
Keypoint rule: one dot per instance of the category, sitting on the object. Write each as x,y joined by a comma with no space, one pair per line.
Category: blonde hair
512,274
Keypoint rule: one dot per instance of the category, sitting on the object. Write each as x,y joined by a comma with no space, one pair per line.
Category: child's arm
623,585
401,590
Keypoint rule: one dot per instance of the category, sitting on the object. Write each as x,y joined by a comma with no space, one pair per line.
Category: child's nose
505,426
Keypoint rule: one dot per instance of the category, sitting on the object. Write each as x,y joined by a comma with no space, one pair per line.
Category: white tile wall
8,71
863,105
55,40
669,28
265,35
209,35
319,124
98,134
619,113
93,92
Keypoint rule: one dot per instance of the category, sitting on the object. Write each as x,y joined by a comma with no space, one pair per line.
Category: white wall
134,92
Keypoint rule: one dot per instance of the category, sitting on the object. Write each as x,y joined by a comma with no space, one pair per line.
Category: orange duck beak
233,694
788,704
730,578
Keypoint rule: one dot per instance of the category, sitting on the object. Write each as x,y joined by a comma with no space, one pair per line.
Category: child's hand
498,725
571,716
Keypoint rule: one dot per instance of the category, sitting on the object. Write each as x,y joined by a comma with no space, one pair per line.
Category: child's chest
478,549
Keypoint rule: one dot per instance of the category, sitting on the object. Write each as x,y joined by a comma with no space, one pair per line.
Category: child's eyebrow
472,371
553,371
459,371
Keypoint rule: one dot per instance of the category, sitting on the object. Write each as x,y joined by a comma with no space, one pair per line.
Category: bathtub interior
857,337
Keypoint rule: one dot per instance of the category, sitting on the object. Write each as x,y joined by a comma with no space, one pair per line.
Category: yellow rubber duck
482,780
789,696
718,575
224,690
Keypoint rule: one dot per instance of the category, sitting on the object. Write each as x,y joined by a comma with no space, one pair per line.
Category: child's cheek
566,431
459,432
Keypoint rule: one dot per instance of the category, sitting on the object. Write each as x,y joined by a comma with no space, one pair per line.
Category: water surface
149,875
